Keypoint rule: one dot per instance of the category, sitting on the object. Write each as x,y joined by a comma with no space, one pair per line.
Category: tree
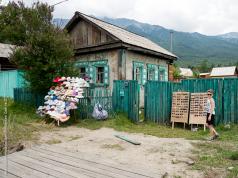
176,72
204,66
45,50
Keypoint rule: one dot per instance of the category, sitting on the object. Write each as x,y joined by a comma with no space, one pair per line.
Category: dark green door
126,94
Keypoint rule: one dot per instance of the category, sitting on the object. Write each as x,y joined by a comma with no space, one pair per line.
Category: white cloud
207,17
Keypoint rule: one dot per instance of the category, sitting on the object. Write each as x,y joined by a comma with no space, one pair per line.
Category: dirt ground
164,156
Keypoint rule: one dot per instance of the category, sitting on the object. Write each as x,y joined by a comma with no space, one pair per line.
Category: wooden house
5,51
106,52
10,77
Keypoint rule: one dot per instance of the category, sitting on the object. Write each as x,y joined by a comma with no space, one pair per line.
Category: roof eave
141,49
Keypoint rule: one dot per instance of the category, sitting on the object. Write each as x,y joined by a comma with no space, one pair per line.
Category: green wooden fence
158,98
8,81
92,96
126,94
24,95
230,100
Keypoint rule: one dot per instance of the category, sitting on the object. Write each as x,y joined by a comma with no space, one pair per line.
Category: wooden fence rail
158,98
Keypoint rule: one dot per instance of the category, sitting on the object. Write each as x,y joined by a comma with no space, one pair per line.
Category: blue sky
209,17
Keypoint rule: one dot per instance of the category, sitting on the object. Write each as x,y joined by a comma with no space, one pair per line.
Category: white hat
62,79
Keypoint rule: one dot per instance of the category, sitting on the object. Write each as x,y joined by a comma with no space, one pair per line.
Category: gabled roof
223,71
6,50
186,72
123,35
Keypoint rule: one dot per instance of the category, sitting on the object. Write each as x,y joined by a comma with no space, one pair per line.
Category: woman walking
210,109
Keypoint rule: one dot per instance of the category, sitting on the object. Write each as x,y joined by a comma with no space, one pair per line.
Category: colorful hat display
63,97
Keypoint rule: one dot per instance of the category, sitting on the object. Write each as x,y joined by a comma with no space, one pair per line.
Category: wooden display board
197,109
180,107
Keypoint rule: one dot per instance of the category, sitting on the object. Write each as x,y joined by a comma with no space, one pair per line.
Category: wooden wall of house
86,34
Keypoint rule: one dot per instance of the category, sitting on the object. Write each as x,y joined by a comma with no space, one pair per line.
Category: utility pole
171,41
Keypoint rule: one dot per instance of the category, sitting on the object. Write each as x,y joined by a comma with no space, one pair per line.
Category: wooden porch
52,161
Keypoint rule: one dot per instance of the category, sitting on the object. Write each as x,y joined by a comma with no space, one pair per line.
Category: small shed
218,72
5,51
186,72
204,75
10,78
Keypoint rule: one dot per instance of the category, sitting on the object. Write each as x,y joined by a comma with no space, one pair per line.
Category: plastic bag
99,113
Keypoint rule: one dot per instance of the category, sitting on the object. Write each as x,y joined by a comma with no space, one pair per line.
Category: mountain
191,48
231,35
60,22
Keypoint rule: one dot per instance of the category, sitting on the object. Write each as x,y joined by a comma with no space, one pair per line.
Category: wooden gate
126,94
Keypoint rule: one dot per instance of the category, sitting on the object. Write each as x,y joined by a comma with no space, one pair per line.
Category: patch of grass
53,141
121,123
23,122
113,146
218,154
234,155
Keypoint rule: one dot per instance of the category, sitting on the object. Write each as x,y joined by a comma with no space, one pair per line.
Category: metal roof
223,71
125,36
186,72
205,73
6,50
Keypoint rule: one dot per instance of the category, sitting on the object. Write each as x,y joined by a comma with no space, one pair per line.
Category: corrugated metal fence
158,98
8,81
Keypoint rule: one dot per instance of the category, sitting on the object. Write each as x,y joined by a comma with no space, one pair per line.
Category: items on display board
62,98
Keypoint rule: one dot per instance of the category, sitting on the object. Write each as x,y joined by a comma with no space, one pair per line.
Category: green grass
121,123
22,123
220,154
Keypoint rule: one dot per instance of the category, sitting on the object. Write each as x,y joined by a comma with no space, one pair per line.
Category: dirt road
171,157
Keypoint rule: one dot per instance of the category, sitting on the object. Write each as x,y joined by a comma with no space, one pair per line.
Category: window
137,74
82,72
162,75
151,74
100,74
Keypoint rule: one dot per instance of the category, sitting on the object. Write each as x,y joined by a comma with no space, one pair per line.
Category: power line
59,3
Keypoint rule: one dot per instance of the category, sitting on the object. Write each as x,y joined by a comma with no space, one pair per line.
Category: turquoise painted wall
8,81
